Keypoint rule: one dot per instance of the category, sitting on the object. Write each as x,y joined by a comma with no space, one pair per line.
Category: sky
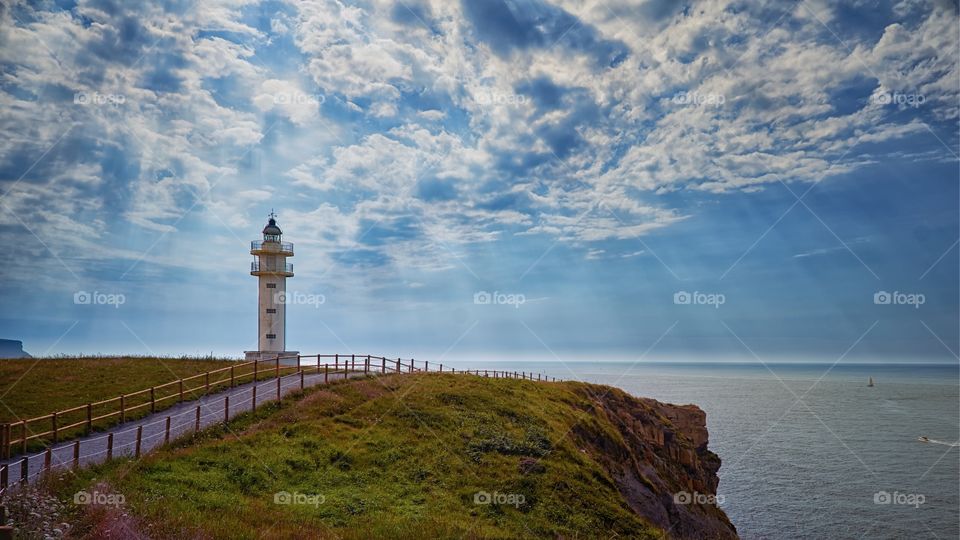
645,180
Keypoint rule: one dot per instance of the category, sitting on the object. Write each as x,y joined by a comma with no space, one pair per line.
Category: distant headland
12,348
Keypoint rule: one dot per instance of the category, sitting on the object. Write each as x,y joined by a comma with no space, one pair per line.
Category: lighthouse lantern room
272,270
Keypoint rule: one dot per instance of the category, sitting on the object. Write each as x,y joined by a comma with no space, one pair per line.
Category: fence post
298,362
254,397
56,432
383,364
326,372
109,446
278,387
24,469
336,361
153,400
441,368
196,425
398,365
47,459
166,431
256,363
426,366
366,367
301,380
353,362
226,408
136,451
76,453
318,364
23,436
278,366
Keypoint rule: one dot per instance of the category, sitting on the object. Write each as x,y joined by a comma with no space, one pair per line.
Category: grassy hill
410,456
31,387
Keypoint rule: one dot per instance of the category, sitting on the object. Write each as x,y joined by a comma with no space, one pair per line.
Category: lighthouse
271,268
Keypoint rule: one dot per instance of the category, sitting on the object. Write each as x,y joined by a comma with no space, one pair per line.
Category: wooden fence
50,429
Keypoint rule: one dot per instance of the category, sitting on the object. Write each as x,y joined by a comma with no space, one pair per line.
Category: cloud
413,132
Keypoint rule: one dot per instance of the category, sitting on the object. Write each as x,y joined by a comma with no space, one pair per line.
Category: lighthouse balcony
280,269
260,247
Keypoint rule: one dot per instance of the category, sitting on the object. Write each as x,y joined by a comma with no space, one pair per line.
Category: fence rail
16,437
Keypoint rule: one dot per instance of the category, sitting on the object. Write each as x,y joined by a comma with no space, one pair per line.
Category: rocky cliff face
659,460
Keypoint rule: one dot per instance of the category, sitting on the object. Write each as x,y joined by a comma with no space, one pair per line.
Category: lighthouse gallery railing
257,267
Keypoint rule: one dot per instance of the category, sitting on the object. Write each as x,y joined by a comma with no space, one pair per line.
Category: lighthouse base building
271,268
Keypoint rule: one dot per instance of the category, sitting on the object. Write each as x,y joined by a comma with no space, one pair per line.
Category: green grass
34,387
396,457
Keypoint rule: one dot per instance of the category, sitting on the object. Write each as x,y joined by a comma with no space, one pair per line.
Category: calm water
813,468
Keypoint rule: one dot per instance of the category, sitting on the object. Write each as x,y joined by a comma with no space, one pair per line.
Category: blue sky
781,165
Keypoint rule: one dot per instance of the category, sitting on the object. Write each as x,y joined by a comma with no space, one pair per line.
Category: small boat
870,383
923,439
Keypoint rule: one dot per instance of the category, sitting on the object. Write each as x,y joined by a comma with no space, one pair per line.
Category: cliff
659,459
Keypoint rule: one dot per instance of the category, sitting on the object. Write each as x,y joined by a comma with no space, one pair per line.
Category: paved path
183,421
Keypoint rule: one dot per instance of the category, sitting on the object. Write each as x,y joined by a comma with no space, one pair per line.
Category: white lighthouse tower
272,270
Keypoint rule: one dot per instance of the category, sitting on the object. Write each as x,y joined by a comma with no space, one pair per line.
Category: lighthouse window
271,285
271,336
271,310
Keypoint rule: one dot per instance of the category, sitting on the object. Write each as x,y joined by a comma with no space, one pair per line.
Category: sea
810,450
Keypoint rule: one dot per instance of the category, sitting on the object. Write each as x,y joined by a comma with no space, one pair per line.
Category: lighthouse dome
272,229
